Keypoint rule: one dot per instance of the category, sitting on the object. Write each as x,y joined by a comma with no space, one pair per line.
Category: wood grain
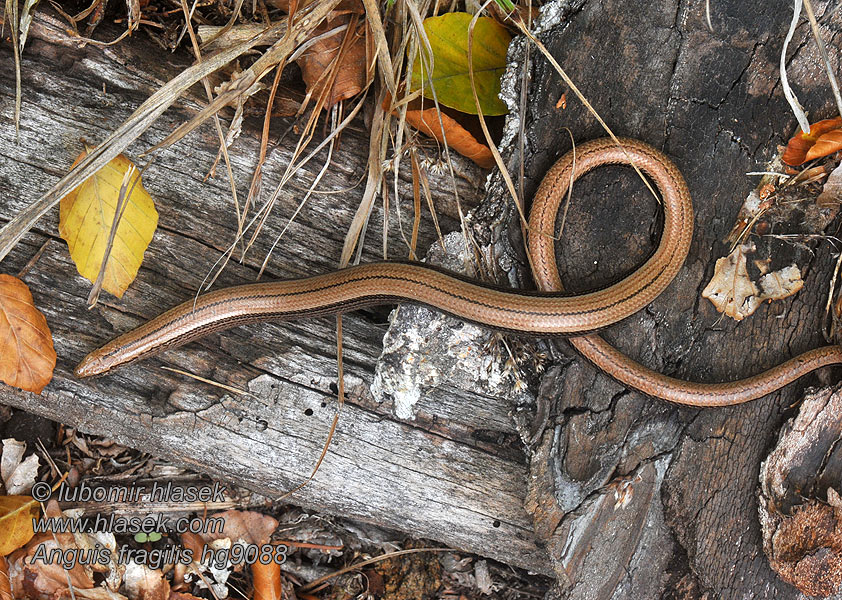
438,477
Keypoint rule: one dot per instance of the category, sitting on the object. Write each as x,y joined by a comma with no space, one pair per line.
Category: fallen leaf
34,578
16,514
248,526
194,542
267,581
827,144
27,357
448,36
96,593
87,215
5,582
808,176
42,579
457,137
217,572
781,283
18,475
733,293
99,540
831,195
143,583
825,138
763,265
352,74
316,62
730,289
460,139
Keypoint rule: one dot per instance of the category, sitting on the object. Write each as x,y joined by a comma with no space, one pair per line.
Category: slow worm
544,313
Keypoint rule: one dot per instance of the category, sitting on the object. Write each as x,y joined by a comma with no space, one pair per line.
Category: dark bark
687,478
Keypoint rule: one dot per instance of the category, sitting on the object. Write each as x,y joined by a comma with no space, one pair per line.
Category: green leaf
142,538
448,35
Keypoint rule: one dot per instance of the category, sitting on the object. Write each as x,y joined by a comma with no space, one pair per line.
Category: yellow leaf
16,514
86,217
448,35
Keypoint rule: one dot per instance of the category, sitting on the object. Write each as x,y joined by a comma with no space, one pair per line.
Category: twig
35,258
131,177
800,115
820,43
142,118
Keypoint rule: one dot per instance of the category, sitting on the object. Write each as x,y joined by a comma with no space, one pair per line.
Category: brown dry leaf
34,578
103,540
96,593
194,542
27,357
733,293
16,514
831,195
808,176
763,265
730,289
458,138
316,61
251,527
267,579
5,583
143,583
825,138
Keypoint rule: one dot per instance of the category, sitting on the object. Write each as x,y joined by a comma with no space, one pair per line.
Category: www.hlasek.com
133,525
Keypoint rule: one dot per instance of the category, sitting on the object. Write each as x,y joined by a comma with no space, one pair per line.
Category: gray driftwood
636,498
456,474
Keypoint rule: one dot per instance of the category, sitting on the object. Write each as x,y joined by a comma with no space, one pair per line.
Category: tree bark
634,497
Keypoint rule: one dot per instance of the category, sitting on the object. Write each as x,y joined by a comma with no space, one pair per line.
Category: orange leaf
5,583
802,147
426,120
828,143
458,137
16,514
267,581
27,357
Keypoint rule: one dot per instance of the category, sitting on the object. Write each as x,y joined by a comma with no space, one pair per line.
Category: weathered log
456,474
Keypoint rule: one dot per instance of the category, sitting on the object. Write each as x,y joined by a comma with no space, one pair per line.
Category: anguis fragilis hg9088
537,314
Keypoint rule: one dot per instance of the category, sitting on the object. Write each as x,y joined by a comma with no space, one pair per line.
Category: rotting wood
438,477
